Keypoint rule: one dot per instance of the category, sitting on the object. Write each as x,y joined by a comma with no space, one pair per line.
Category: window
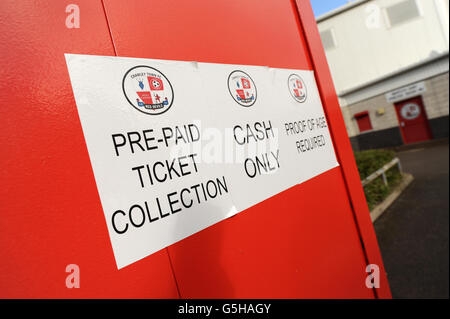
402,12
328,40
363,121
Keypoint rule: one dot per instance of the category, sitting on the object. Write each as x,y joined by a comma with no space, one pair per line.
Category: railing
382,172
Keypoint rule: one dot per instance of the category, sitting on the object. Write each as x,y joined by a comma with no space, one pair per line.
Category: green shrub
370,161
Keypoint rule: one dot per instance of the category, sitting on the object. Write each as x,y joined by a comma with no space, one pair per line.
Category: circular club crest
147,90
410,111
297,88
242,88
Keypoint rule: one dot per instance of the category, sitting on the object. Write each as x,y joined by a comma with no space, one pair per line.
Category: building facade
390,65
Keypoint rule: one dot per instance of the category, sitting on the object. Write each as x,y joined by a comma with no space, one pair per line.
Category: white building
389,61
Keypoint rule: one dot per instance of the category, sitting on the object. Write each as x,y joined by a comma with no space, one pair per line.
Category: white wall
368,48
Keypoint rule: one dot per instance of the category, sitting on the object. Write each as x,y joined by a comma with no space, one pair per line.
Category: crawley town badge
410,111
297,88
242,88
147,90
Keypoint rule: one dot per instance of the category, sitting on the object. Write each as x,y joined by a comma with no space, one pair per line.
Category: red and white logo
410,111
147,90
297,88
242,88
155,83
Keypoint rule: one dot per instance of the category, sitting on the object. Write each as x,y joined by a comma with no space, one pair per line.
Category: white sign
279,137
406,92
153,191
244,111
304,127
178,146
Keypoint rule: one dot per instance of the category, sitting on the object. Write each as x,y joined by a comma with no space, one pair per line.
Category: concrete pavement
413,233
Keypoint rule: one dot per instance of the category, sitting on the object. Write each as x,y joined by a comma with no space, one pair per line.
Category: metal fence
382,172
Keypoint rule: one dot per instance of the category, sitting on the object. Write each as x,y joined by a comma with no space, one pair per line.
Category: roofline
441,56
339,10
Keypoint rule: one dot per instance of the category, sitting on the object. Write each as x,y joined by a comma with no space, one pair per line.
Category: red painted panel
236,32
342,144
50,212
301,243
413,120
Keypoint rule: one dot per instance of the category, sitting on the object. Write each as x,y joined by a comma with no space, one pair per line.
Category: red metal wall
304,242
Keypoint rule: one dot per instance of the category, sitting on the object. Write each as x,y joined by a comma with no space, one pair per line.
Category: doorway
413,120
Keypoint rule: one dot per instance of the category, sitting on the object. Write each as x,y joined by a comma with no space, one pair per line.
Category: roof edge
339,10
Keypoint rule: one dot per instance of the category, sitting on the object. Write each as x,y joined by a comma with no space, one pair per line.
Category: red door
413,120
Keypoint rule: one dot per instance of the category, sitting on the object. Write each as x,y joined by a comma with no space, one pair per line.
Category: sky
323,6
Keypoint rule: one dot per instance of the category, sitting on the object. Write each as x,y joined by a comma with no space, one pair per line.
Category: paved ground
413,233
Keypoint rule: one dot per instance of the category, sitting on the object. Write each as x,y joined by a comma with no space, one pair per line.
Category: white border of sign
160,178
